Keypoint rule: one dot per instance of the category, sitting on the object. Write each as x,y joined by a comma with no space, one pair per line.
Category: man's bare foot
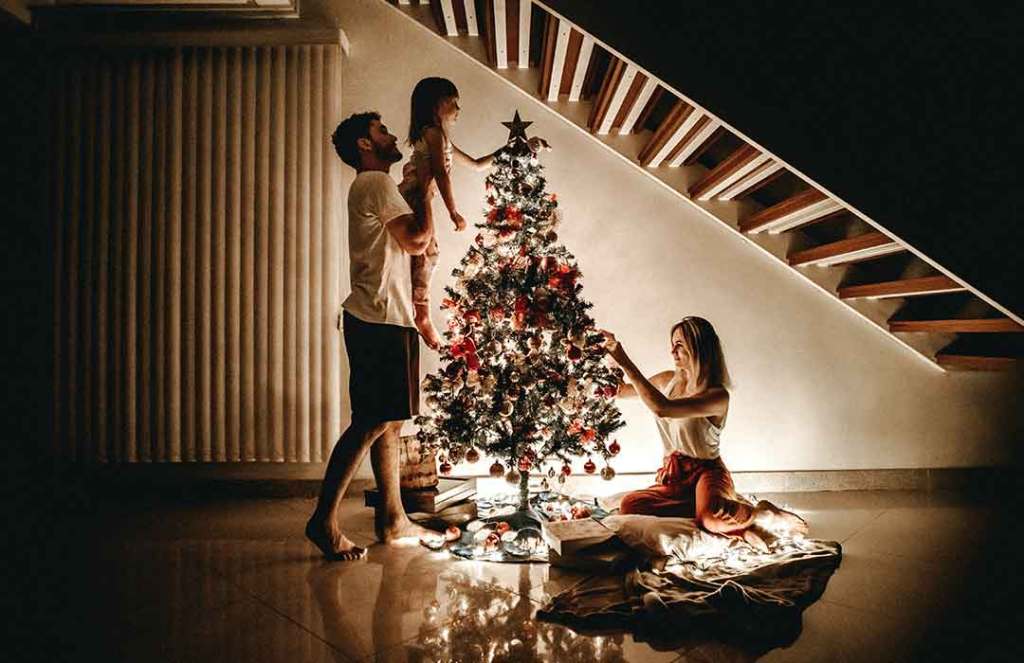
779,521
334,545
426,328
403,529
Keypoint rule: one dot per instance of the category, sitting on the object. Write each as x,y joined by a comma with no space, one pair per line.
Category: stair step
853,249
954,326
975,362
925,285
799,210
737,165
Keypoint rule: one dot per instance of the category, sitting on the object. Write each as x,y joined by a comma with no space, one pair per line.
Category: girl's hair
706,349
426,96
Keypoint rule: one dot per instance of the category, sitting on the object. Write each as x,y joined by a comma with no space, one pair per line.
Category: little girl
435,108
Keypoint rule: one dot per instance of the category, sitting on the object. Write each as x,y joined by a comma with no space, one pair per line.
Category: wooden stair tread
923,285
957,325
798,210
735,162
975,362
861,247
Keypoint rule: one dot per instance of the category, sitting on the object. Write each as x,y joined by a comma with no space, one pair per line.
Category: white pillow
658,536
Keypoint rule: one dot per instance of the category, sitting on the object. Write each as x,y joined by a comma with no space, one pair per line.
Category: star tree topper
517,128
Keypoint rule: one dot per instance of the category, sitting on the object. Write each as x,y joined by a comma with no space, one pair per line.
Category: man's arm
412,234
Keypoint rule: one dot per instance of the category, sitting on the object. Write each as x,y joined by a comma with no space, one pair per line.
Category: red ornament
579,511
588,435
492,215
525,464
492,542
521,307
589,467
446,468
609,392
563,280
502,527
453,533
472,315
497,313
613,448
512,213
497,470
575,353
566,470
466,349
472,455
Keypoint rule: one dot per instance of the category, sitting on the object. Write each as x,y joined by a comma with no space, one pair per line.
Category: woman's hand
537,144
612,345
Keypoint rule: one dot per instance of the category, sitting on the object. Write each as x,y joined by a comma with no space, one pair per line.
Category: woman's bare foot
403,529
334,545
779,521
426,328
760,539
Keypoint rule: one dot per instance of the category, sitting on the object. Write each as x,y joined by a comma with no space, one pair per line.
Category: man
380,336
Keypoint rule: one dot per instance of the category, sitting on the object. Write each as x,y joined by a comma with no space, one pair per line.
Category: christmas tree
522,376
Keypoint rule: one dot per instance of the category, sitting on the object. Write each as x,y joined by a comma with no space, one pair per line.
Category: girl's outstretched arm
478,164
481,164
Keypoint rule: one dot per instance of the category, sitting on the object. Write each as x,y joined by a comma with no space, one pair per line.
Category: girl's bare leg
422,271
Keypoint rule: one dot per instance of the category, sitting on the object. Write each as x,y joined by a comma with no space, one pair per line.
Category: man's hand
460,223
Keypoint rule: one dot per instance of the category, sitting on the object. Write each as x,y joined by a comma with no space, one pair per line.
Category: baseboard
202,480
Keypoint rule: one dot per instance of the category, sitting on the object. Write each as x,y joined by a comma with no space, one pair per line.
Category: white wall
816,386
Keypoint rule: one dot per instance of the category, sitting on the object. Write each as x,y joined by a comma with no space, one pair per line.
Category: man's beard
389,155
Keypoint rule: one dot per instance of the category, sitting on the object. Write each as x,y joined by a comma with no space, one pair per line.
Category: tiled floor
235,581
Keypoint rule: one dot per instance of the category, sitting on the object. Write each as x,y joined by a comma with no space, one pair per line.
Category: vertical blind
195,209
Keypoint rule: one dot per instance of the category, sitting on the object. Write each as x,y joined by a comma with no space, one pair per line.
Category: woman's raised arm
659,380
712,403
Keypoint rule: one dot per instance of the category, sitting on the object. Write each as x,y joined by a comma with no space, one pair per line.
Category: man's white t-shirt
378,267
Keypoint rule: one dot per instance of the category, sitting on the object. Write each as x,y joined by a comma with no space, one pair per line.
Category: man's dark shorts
384,362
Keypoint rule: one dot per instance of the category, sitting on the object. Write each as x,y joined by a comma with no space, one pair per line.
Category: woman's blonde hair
706,350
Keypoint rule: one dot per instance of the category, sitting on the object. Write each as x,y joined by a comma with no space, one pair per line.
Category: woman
691,404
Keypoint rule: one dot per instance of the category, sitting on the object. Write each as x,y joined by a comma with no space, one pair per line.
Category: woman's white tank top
696,437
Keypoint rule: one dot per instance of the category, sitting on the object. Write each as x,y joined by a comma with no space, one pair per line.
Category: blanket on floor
699,587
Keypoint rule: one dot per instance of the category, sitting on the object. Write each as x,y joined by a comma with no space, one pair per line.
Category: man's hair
348,132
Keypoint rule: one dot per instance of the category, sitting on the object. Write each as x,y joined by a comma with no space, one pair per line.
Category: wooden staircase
713,166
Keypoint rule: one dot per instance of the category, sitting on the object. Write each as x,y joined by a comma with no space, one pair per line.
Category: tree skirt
705,591
512,546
